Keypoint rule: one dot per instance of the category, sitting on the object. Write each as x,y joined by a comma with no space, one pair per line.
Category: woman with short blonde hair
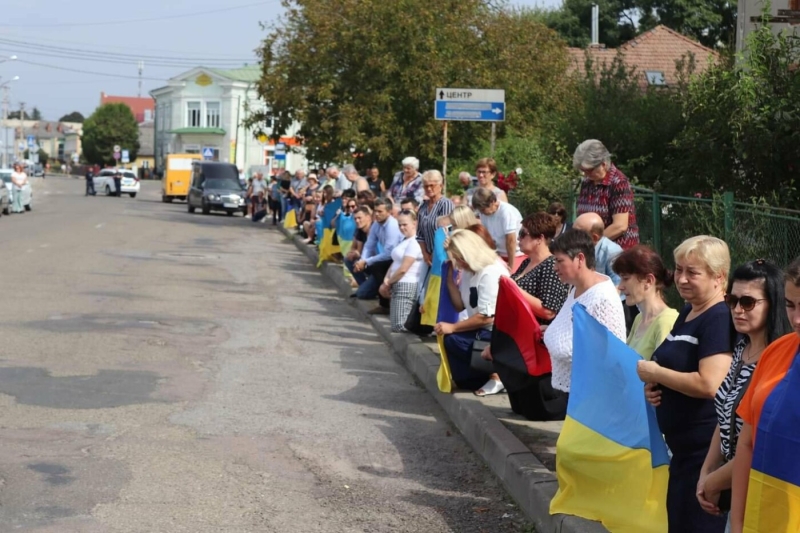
436,205
685,373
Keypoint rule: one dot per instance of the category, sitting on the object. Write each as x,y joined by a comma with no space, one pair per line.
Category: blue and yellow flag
773,493
435,284
345,231
611,460
326,247
290,220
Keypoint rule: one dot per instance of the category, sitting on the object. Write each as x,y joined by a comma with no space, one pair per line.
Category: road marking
43,245
100,225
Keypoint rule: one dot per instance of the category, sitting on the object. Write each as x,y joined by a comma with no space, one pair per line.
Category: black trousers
118,186
378,271
90,187
275,205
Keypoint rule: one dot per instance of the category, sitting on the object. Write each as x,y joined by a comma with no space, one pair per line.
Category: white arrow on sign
497,110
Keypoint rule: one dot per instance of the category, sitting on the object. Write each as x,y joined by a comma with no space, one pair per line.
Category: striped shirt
426,220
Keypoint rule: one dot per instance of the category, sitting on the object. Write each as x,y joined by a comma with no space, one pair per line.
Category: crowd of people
720,372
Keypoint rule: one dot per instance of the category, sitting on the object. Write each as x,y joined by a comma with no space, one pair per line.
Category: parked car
27,192
215,187
104,182
5,193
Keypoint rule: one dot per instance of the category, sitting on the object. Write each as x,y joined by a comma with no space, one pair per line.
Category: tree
43,156
75,116
36,114
14,115
573,21
359,76
109,125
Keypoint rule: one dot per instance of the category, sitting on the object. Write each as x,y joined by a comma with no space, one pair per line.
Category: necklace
748,356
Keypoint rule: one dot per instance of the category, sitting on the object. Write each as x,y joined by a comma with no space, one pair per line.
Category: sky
70,52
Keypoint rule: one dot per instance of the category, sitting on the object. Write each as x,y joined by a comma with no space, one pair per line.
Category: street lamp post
5,87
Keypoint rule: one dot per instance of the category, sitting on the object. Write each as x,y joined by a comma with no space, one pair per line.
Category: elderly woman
486,172
407,182
470,253
606,191
400,283
18,180
685,373
435,206
765,469
574,263
503,221
643,279
756,299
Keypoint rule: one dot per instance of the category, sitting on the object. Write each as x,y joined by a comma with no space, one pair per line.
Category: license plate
229,204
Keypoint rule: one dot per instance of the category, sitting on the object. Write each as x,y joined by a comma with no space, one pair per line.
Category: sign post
444,160
469,105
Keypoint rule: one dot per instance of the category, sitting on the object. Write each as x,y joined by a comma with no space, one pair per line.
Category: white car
27,192
104,182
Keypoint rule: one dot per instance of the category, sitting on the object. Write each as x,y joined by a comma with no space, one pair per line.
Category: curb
525,478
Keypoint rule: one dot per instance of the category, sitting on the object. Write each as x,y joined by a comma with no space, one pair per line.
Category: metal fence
752,231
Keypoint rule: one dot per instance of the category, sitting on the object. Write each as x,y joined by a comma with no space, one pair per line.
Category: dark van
216,187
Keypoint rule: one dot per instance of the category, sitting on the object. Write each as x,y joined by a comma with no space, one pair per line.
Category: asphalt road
167,372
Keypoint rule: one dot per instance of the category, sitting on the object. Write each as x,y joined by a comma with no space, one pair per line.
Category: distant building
203,111
50,136
653,54
749,11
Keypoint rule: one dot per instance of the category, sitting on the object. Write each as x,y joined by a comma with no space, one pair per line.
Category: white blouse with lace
603,303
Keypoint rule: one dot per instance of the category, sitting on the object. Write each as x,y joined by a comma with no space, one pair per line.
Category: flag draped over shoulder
773,493
436,284
290,220
326,247
611,460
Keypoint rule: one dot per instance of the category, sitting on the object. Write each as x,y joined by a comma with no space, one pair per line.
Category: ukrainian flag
773,494
345,231
611,460
326,247
435,286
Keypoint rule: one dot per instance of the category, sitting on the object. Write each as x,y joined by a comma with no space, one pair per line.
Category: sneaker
248,216
263,220
378,311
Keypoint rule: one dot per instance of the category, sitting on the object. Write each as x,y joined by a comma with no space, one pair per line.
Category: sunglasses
351,206
407,212
523,233
747,303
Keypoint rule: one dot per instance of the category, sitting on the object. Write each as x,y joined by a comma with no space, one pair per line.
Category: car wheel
28,207
6,210
189,207
206,210
133,195
108,190
230,213
166,199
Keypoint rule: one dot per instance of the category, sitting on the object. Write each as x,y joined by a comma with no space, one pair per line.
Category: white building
203,111
749,11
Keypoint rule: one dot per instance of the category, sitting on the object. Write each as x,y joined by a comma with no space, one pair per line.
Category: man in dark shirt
363,218
90,182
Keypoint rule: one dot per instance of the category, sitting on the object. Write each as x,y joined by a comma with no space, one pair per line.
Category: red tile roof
657,49
136,104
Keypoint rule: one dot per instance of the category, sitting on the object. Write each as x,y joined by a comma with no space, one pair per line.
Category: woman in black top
685,373
534,397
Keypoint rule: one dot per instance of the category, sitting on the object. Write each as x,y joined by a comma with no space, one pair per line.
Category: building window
148,115
655,77
194,117
212,115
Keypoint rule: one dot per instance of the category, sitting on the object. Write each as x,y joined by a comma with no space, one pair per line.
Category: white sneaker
247,216
263,220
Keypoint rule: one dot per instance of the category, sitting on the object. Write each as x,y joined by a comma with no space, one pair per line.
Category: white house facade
203,112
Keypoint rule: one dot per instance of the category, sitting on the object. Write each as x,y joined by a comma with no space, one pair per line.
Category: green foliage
36,114
742,129
573,21
109,125
361,75
43,156
75,116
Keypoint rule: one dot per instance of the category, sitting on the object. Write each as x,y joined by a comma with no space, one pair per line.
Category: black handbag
478,363
414,323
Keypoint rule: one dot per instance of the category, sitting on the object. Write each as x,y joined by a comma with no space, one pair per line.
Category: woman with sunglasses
685,373
606,191
402,278
755,298
765,474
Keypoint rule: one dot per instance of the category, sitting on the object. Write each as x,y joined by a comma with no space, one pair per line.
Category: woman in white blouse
18,179
402,278
574,264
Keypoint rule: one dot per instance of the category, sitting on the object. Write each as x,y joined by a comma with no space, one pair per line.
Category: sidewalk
520,452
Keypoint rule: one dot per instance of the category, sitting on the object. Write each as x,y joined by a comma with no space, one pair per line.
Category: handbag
478,363
414,323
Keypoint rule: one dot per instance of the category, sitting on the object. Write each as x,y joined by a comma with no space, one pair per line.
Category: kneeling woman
470,254
402,278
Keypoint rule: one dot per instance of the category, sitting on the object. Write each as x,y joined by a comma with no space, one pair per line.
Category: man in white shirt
258,191
503,222
339,181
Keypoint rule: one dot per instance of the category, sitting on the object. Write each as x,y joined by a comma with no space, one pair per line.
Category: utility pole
141,70
17,154
5,126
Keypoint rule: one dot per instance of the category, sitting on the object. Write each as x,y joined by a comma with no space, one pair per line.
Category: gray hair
432,176
590,154
483,198
332,167
464,174
411,162
349,169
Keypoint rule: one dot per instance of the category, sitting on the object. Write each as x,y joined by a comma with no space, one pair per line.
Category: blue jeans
360,277
459,354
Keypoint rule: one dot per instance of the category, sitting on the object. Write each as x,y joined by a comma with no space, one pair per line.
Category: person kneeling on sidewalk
481,273
376,258
402,279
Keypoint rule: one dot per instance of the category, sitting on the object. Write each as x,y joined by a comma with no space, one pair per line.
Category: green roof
199,131
248,74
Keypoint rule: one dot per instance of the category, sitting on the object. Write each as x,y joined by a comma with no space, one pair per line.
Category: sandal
493,386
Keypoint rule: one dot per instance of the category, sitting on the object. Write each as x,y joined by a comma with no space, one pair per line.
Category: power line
133,21
128,61
76,52
77,71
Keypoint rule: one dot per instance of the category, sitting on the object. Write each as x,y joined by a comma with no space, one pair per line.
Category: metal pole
444,158
236,145
5,126
494,138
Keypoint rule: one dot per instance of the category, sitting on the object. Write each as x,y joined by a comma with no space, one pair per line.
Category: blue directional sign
208,153
280,152
475,105
31,141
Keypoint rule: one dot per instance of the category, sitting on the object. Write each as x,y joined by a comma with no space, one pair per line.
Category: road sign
75,158
31,141
208,153
117,148
116,155
280,152
477,105
35,148
126,156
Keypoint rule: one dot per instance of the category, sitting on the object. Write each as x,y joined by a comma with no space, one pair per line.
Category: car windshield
129,175
223,183
6,177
